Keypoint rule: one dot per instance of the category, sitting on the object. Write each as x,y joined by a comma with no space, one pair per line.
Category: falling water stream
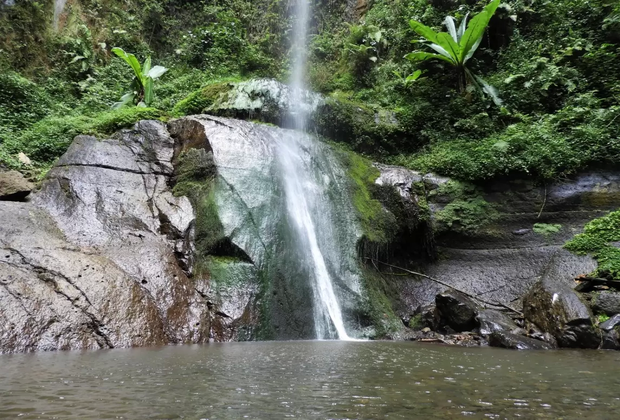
303,207
59,7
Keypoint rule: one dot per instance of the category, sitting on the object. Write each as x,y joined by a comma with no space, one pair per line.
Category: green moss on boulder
597,240
202,100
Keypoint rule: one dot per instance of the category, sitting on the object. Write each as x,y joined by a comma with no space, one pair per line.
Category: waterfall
59,7
304,203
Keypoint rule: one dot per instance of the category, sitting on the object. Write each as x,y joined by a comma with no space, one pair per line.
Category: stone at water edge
611,323
13,186
457,311
494,321
516,342
555,308
611,336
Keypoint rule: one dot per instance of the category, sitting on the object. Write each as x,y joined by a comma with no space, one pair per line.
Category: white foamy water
303,202
59,7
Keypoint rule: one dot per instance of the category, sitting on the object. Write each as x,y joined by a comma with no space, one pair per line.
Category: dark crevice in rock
226,248
113,168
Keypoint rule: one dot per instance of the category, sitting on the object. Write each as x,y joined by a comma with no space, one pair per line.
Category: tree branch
500,305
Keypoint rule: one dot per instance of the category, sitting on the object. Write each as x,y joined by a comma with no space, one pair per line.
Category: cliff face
145,239
178,233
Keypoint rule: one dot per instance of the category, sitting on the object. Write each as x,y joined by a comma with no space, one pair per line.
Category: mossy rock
375,132
598,241
200,101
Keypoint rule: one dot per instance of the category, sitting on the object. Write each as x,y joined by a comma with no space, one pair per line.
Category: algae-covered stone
555,308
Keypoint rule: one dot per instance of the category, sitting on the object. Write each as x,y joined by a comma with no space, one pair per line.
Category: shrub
596,241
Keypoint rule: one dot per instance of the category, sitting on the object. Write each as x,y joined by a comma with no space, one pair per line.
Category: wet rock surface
501,259
492,321
457,311
556,309
101,256
516,342
606,302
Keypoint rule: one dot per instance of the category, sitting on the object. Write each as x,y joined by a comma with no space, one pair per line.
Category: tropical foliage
457,46
141,93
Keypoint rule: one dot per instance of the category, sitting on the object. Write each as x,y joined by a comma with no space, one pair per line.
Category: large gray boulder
457,311
102,256
555,308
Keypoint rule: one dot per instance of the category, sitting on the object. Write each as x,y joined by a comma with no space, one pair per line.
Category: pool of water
311,380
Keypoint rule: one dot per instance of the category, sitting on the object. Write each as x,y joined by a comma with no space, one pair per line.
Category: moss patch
596,241
546,229
49,138
378,307
377,224
467,213
200,101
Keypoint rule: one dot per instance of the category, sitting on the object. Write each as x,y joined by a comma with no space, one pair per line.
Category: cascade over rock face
106,254
249,192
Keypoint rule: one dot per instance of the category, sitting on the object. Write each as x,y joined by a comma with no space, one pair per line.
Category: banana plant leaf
129,59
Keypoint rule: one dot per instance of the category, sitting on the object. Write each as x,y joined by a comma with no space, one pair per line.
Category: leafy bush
22,102
596,241
141,93
457,46
553,146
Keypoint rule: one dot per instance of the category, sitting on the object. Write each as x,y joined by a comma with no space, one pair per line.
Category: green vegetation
467,212
602,318
377,224
141,93
546,229
457,47
554,64
49,138
55,84
596,240
201,100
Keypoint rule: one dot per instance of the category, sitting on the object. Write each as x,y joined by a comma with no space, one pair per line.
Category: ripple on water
310,380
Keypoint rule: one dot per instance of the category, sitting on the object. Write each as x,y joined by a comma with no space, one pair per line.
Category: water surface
311,380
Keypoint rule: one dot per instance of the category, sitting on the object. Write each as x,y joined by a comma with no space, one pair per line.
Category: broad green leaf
414,76
473,35
125,100
422,56
462,28
129,59
481,84
373,59
423,31
450,23
446,41
473,49
148,91
443,52
156,72
146,67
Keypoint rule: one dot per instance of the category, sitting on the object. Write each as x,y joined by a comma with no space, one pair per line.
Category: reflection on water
311,380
